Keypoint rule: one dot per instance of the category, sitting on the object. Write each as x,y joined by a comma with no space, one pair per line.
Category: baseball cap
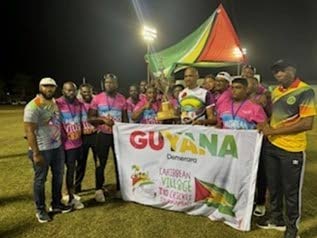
281,65
224,75
48,81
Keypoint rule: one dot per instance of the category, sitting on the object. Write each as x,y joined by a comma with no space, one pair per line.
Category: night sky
69,39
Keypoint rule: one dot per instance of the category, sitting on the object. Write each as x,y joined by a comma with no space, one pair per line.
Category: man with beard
106,108
132,101
72,112
43,132
88,137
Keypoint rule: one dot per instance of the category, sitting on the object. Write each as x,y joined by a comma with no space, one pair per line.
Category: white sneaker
77,204
66,198
77,197
99,196
259,211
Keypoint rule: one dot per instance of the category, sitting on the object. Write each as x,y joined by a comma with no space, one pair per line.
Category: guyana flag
214,44
214,196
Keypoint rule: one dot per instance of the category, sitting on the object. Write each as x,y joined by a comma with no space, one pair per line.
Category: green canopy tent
214,44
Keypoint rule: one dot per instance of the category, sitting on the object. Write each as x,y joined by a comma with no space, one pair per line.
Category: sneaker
259,211
43,217
76,204
61,208
66,198
269,224
99,196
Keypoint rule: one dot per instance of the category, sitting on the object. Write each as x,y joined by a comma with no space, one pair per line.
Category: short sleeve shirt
288,107
109,107
47,118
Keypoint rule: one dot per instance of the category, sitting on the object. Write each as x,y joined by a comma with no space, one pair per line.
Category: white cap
225,76
48,81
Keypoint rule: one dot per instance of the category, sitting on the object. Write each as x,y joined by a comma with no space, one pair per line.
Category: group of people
62,131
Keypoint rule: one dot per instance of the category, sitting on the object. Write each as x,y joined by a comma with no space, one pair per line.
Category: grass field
115,218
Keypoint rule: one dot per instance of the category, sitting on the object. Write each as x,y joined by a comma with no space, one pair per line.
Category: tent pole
238,69
147,64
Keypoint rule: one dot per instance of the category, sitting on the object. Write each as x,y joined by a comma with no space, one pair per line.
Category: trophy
167,110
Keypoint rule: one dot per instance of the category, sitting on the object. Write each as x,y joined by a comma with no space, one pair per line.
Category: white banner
194,169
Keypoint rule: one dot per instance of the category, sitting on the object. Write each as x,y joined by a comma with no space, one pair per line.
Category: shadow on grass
16,229
15,198
13,155
311,232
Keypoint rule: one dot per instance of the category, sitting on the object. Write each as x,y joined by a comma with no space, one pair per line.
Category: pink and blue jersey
243,115
222,98
109,107
87,127
71,118
130,109
149,115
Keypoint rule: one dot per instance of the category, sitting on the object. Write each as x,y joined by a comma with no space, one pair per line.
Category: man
88,137
43,132
72,112
209,83
293,112
247,71
197,104
222,89
142,87
262,100
240,112
106,108
132,101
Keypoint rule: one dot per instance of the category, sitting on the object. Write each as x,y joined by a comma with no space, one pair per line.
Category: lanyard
234,114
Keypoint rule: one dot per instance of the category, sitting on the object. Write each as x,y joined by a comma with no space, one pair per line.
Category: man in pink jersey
132,101
88,137
105,109
222,89
142,87
72,112
146,110
239,112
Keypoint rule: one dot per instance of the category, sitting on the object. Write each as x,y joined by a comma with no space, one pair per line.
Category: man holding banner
293,112
197,104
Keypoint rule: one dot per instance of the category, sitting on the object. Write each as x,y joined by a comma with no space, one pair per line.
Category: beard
47,96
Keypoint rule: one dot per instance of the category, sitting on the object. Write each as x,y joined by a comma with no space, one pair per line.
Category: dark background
69,40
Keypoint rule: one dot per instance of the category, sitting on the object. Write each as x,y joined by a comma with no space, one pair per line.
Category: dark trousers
55,159
285,174
261,185
71,158
104,143
89,141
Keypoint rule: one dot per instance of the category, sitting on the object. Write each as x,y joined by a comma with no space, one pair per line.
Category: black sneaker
61,208
42,216
270,224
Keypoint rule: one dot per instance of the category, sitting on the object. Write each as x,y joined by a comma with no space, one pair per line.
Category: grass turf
115,218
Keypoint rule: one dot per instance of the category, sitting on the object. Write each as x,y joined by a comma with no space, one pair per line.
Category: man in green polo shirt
293,112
